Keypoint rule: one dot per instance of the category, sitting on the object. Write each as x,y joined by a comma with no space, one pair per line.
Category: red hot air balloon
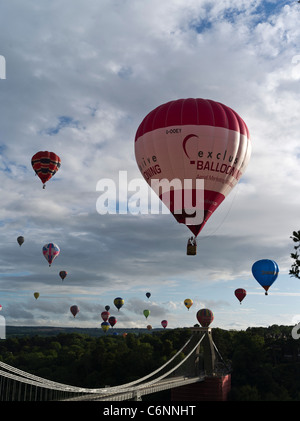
63,274
112,321
105,315
187,140
164,323
240,294
205,317
74,310
45,165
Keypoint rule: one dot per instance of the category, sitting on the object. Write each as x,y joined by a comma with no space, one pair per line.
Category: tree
295,268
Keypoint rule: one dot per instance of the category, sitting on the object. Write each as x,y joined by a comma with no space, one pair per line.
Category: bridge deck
135,393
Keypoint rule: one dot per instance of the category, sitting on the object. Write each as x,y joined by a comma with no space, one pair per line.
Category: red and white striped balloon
192,139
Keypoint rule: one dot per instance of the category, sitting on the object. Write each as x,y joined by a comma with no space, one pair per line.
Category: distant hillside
53,331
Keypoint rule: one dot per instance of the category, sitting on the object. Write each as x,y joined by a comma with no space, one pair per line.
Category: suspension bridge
196,372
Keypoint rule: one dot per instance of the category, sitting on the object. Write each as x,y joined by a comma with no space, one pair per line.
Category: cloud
79,82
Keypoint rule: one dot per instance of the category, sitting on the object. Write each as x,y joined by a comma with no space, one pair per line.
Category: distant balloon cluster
110,321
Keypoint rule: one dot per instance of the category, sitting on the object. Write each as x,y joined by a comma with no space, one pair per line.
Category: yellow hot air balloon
188,303
118,302
105,326
36,295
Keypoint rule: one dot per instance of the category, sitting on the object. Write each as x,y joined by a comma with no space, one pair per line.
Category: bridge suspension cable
18,375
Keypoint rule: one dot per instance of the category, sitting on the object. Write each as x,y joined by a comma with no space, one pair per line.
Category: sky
80,76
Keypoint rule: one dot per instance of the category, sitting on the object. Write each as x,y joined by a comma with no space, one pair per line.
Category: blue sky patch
63,121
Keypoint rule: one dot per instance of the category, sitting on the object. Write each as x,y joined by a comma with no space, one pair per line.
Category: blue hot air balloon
265,271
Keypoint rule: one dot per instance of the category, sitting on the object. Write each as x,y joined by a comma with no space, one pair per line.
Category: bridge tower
216,385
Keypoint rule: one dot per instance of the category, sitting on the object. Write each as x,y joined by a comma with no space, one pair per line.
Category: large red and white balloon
188,140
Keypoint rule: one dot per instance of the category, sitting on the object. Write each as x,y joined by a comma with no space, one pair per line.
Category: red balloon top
190,111
45,164
240,294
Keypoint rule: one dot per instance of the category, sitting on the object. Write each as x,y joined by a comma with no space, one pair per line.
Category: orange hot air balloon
205,317
184,142
45,165
188,303
240,294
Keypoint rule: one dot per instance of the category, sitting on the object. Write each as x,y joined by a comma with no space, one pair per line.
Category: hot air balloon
50,251
188,303
265,271
112,321
149,327
164,323
105,326
74,310
146,313
36,295
187,140
105,315
0,307
205,317
118,302
240,294
63,274
107,308
20,240
148,295
45,165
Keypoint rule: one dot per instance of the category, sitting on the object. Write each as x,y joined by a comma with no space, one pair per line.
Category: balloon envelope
45,165
118,302
164,323
112,321
187,140
36,295
20,240
148,294
74,310
50,252
107,308
62,274
149,327
105,326
188,303
205,317
265,271
146,313
105,315
240,294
